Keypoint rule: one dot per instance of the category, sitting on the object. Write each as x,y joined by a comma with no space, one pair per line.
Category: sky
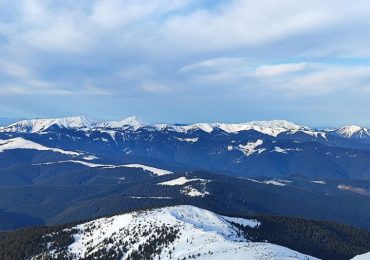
187,60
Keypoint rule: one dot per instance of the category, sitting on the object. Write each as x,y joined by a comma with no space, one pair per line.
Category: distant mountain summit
132,121
353,131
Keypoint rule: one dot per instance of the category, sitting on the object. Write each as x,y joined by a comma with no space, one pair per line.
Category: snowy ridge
21,143
39,125
152,170
272,128
188,230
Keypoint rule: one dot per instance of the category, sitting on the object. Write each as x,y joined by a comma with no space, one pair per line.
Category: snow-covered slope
365,256
39,125
20,143
167,233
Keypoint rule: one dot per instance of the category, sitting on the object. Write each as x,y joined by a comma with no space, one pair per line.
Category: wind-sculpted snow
167,233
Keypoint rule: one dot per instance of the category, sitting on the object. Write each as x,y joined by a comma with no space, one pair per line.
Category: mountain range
260,148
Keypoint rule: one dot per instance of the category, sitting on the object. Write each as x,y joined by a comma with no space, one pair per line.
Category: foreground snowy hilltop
180,232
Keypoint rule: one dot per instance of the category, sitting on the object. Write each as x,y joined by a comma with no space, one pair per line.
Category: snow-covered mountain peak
353,131
39,125
274,124
132,121
167,233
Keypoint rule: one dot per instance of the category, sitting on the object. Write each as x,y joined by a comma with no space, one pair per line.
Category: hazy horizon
7,121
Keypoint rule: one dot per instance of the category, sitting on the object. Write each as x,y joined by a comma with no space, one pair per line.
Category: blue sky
187,60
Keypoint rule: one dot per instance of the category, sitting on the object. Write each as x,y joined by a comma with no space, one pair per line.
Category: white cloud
285,79
247,23
95,90
213,64
31,89
118,13
326,79
155,87
279,69
13,70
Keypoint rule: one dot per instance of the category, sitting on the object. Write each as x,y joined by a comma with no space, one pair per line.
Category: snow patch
90,157
278,149
319,182
179,181
194,192
250,148
156,171
189,140
271,182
